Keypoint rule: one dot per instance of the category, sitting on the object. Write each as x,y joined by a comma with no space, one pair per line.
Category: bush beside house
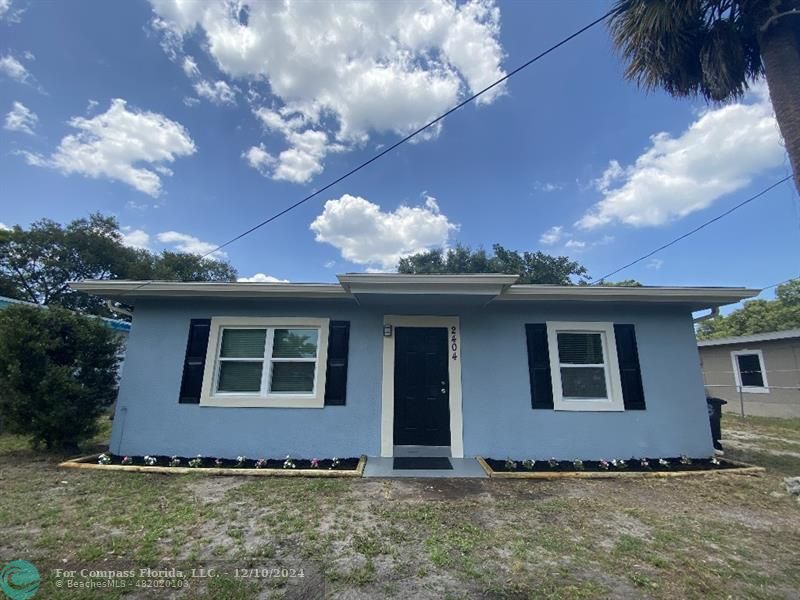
58,373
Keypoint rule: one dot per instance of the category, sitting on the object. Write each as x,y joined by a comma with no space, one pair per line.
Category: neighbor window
583,365
749,371
265,362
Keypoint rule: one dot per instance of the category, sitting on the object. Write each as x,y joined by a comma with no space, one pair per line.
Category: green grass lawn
726,536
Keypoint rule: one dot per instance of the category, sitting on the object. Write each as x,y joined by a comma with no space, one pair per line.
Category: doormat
422,462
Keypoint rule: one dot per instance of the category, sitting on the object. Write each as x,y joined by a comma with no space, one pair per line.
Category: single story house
377,363
760,371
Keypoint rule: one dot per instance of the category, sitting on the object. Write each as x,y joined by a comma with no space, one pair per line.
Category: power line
411,135
693,231
769,287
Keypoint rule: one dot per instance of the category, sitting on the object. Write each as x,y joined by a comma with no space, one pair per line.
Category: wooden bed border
740,468
90,462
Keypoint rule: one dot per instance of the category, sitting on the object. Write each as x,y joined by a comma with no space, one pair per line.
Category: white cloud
4,227
135,238
120,144
8,14
190,101
258,158
21,119
190,67
14,69
721,152
655,263
366,235
218,92
547,186
346,69
262,278
302,160
552,235
188,243
557,234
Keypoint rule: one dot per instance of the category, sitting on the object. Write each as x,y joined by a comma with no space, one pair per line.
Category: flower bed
333,467
641,467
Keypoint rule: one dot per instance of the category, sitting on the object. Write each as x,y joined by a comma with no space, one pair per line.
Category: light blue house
462,364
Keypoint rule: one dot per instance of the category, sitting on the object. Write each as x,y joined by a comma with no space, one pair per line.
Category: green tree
757,316
58,373
716,48
37,264
180,266
532,267
623,283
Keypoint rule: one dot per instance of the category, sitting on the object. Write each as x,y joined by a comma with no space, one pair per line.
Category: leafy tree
36,264
180,266
757,316
58,372
532,267
716,48
623,283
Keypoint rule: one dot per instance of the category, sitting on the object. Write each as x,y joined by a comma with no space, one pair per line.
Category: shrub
58,372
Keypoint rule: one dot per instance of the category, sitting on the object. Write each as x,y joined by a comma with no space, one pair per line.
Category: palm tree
716,48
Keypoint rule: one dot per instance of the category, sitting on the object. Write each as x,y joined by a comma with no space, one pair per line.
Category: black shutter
539,366
630,373
195,361
336,377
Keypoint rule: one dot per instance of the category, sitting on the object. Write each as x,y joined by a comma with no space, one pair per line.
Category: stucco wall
782,363
498,419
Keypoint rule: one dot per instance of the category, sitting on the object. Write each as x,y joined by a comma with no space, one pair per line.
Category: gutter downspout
714,312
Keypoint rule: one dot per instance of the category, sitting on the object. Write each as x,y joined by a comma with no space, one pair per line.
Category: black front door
421,387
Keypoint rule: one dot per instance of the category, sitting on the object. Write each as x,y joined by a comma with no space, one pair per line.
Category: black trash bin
715,416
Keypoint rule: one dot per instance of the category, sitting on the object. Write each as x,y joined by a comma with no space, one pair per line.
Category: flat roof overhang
695,298
380,288
124,290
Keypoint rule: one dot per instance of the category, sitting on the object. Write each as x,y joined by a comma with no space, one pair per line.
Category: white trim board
454,374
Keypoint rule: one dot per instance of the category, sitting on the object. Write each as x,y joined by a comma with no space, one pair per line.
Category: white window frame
614,401
749,389
264,398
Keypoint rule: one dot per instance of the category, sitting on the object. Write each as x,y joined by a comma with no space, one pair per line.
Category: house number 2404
453,343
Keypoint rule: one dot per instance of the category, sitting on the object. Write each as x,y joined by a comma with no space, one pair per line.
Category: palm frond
688,47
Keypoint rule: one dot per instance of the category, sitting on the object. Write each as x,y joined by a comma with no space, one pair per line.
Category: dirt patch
213,489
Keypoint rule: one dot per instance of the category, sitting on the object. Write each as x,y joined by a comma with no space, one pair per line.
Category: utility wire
693,231
412,134
769,287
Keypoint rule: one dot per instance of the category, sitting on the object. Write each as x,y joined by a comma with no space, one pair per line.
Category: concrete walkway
462,467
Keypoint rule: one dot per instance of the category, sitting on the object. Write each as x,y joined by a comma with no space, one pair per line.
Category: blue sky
192,122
